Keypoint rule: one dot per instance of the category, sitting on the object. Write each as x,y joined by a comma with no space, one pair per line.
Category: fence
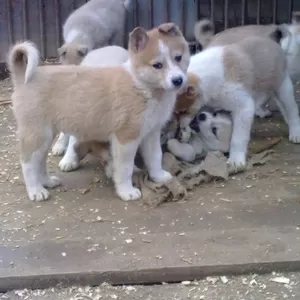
41,20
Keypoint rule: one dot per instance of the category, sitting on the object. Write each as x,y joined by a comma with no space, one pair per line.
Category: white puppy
237,78
103,57
125,106
93,25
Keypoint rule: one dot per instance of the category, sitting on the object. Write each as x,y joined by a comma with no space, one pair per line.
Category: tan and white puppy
108,56
236,78
125,105
93,25
288,35
210,130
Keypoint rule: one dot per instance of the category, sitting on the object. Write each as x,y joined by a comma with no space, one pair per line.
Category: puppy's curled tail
23,60
204,31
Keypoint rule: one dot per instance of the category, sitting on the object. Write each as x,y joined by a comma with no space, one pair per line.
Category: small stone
186,282
281,279
224,279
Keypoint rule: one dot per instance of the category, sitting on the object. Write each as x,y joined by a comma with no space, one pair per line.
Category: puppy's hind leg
34,151
61,144
286,102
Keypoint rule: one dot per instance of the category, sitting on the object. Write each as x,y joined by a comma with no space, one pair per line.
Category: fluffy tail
204,31
23,59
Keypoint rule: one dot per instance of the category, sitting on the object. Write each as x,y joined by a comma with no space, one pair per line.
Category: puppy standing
103,57
288,35
126,105
235,77
93,25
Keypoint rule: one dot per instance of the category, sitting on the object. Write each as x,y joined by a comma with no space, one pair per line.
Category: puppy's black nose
202,117
177,81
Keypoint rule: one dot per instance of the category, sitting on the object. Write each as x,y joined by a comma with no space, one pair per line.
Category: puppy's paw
161,177
236,164
294,135
128,193
59,149
37,193
51,181
69,163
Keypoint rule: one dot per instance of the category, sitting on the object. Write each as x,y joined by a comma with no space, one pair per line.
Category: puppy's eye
178,58
64,53
215,113
214,130
157,65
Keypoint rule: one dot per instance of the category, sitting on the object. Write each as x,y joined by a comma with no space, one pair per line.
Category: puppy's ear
138,39
296,17
61,51
82,51
169,29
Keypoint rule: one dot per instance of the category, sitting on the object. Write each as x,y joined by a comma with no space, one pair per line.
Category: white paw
263,113
294,135
236,164
69,163
59,149
51,181
161,177
128,193
37,193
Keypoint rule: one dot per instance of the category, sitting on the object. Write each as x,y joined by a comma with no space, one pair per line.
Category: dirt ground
252,218
254,287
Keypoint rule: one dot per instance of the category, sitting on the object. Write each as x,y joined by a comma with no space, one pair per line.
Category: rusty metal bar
290,6
275,8
212,11
42,28
136,13
258,12
25,20
150,13
9,22
57,23
243,14
182,7
167,9
225,14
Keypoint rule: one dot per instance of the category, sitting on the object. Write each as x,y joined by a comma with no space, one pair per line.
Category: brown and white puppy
236,78
103,57
93,25
126,106
288,35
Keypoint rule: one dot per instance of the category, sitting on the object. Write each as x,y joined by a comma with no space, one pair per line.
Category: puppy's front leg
242,117
152,155
123,164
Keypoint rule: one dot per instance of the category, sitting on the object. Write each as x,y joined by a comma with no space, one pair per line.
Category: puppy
210,130
102,57
125,105
93,25
236,78
288,35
